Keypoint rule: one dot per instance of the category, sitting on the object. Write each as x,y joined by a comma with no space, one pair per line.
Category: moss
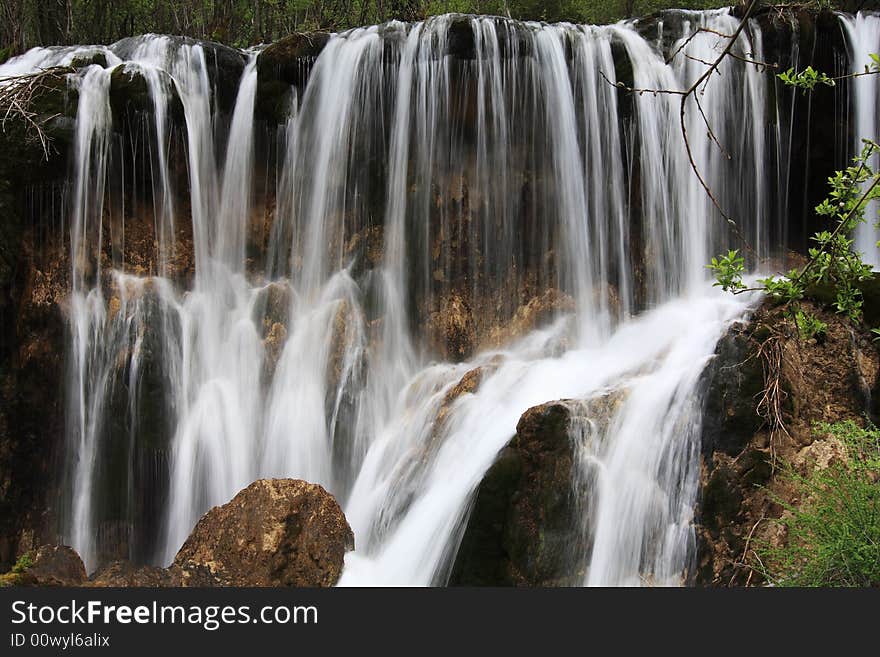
284,59
92,59
24,562
273,101
130,92
16,576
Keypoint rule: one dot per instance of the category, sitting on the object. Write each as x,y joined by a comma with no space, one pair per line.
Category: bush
834,534
24,562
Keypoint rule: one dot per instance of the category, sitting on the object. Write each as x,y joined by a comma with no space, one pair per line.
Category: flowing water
863,39
513,169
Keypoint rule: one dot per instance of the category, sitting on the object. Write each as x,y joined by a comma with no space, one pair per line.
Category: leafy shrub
24,562
810,326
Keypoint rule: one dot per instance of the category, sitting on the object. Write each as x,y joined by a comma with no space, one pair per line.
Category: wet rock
460,38
453,330
537,311
468,383
276,532
284,59
272,315
224,65
130,92
31,402
273,344
733,380
523,520
283,66
89,59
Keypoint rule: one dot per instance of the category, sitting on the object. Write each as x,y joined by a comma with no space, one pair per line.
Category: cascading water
453,172
863,37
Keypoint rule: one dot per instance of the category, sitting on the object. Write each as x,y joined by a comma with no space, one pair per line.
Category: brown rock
54,565
124,573
276,532
538,310
743,487
453,328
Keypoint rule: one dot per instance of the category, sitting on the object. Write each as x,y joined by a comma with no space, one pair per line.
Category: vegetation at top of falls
28,23
832,261
833,534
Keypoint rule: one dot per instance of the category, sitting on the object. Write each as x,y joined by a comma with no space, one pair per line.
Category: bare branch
17,98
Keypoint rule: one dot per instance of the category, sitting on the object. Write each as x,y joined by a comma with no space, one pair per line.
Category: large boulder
276,532
283,66
49,565
527,515
123,573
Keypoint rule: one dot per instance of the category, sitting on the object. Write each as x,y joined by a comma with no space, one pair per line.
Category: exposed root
772,398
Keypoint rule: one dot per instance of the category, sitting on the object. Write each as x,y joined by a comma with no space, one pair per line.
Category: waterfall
863,39
457,196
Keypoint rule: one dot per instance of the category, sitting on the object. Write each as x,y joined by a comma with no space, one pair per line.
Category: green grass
834,531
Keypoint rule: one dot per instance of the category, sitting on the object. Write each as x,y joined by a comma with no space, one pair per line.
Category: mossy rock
92,59
721,499
273,101
482,556
732,381
460,41
130,93
284,59
525,520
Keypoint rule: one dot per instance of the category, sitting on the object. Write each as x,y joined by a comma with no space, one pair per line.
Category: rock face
276,532
524,515
818,381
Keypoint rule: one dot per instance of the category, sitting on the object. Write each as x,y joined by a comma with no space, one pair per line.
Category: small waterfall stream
863,37
411,182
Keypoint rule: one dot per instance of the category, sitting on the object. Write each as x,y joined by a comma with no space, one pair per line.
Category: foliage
26,23
806,80
809,326
728,270
833,535
832,261
24,562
